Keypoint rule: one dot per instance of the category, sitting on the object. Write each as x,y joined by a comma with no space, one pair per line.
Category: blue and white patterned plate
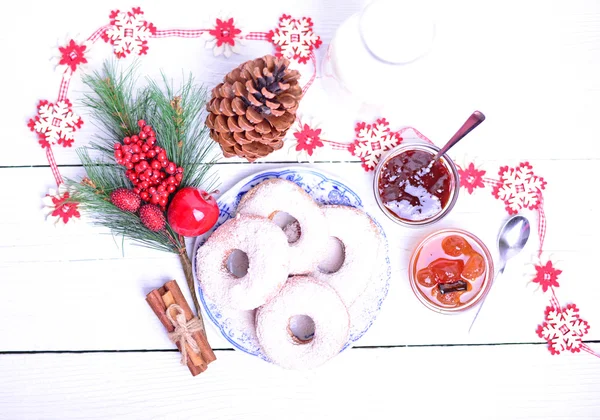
238,326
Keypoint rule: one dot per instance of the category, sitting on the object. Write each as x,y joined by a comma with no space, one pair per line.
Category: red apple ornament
192,212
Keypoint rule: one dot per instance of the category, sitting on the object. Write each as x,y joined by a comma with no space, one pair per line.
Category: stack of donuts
284,276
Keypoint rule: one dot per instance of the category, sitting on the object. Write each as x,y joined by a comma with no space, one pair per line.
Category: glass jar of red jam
411,189
450,271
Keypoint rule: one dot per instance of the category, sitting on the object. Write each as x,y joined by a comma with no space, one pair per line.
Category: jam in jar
450,270
413,189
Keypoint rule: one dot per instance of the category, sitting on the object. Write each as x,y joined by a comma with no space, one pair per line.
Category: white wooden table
77,339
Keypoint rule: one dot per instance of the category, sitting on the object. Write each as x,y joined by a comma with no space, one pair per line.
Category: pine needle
177,117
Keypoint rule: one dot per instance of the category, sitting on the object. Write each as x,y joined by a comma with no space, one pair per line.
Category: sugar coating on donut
361,240
303,296
267,249
275,195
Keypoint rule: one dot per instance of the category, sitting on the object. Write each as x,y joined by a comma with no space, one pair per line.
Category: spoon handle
473,121
484,298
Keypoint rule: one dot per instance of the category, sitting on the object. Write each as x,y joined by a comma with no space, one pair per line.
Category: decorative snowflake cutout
307,138
546,276
563,329
71,55
57,211
471,178
519,188
294,38
225,37
372,141
55,123
129,32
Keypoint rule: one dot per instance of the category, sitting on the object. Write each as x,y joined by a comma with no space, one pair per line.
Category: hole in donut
289,225
301,328
334,256
237,263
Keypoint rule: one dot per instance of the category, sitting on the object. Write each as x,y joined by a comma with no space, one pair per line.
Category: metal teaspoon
511,240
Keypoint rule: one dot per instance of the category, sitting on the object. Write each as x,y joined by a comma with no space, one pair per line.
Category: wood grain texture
533,71
502,382
86,265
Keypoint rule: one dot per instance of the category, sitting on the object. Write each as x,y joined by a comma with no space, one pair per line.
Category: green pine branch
115,103
177,116
93,195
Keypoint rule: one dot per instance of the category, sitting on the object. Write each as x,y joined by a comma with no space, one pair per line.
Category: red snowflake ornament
72,55
129,32
563,329
57,209
55,123
546,276
308,139
519,188
372,140
294,38
471,178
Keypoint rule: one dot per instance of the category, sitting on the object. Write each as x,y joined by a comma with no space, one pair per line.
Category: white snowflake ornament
563,329
372,140
294,38
55,123
128,32
519,188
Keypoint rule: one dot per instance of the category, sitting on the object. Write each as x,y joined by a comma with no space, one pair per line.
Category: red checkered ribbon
50,156
64,88
257,36
180,33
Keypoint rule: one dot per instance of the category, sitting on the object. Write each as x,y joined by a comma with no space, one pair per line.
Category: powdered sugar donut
360,239
278,195
267,249
310,297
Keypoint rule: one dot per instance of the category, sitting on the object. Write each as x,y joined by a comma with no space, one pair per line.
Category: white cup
378,54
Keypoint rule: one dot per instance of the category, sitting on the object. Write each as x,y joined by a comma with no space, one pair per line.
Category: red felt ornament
126,200
192,212
152,217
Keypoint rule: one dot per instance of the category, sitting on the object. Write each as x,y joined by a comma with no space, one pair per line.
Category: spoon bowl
512,238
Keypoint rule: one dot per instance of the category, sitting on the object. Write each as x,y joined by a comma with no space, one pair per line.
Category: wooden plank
498,382
509,78
37,260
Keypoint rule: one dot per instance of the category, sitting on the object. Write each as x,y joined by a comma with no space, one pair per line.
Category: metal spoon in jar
511,240
473,121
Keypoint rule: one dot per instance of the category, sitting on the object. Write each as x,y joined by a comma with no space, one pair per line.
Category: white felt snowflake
129,32
563,329
519,188
55,123
294,38
372,140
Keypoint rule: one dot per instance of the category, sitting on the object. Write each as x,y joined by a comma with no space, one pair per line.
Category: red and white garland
130,34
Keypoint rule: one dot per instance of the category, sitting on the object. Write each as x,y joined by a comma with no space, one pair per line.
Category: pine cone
253,108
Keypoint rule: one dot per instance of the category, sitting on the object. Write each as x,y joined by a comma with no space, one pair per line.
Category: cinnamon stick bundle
165,302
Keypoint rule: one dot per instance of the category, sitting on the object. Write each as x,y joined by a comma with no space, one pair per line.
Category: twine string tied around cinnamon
184,330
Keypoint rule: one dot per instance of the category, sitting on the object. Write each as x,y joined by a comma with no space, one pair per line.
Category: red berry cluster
154,177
